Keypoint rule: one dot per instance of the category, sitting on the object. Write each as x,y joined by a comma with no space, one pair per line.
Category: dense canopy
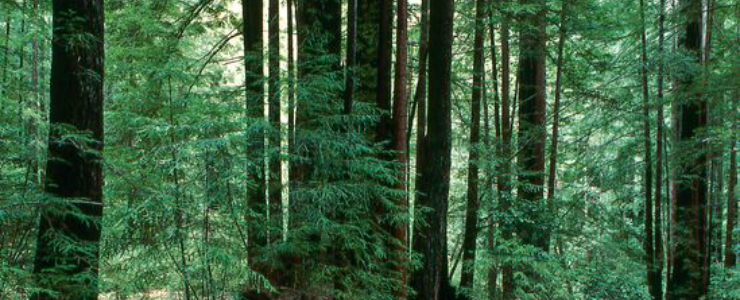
369,149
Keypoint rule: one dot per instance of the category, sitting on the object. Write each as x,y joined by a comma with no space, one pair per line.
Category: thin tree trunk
420,94
291,103
7,48
350,72
504,180
730,257
275,181
400,121
74,170
492,283
385,62
658,235
648,188
471,211
556,112
431,280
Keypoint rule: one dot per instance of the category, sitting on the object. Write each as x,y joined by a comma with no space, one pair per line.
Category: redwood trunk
254,82
431,280
690,242
531,156
400,121
647,188
658,236
504,180
74,171
276,173
471,211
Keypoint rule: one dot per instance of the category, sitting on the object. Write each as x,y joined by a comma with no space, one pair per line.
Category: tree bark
690,241
648,242
531,156
471,211
492,280
730,257
504,180
556,112
291,102
420,94
384,68
431,280
254,82
658,235
400,121
74,171
275,178
350,68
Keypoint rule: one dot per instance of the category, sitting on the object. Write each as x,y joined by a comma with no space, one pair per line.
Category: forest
369,149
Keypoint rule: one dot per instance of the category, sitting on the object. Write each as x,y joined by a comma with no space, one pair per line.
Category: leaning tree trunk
431,280
690,239
73,172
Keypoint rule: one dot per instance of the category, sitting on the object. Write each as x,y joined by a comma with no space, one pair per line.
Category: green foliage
178,142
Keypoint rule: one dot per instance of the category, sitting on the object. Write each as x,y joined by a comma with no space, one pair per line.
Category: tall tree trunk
471,211
556,112
648,184
431,280
74,170
7,48
712,120
255,105
492,280
276,174
385,63
291,102
689,265
350,69
730,257
420,94
658,235
504,180
531,156
400,121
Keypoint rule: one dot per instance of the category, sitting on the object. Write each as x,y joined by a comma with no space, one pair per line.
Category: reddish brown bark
400,121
